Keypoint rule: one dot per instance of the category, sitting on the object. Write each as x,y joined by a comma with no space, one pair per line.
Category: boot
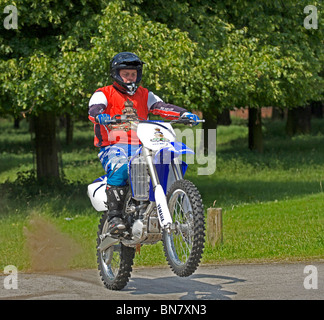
115,204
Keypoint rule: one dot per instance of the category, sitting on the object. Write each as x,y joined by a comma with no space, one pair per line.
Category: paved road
237,282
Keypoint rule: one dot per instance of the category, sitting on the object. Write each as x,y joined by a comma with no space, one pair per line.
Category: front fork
160,198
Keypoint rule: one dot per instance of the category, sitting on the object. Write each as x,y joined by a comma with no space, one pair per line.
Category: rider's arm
97,104
157,106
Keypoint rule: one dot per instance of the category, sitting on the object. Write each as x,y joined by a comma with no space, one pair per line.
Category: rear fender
97,193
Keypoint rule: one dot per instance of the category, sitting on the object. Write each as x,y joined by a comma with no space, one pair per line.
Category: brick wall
266,112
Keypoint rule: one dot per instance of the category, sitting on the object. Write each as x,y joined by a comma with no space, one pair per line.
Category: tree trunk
317,109
224,118
210,123
46,146
299,121
16,123
277,113
66,123
69,129
255,130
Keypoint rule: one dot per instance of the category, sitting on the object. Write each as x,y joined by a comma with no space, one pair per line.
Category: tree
249,53
203,55
38,77
293,77
60,54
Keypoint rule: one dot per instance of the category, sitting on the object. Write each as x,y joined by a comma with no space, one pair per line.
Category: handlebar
186,121
116,119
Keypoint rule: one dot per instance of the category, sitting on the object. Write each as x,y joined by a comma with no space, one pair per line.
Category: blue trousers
114,160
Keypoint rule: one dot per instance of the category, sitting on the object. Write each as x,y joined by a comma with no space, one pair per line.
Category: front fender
162,160
168,153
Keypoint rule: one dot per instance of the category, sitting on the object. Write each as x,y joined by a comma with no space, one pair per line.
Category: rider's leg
115,203
115,162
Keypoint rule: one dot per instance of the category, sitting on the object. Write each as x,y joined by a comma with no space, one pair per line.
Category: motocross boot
115,204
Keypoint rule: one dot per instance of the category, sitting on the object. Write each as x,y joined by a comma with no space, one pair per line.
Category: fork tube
176,170
154,177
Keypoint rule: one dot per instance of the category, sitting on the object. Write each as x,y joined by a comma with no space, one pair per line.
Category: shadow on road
198,286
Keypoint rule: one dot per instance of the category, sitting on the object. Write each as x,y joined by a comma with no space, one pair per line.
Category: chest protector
120,103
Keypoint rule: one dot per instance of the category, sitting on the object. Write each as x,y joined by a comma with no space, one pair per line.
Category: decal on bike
160,212
159,136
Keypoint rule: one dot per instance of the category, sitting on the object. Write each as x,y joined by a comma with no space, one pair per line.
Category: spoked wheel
114,263
184,244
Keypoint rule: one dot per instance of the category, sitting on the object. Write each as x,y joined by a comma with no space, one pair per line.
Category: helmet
126,60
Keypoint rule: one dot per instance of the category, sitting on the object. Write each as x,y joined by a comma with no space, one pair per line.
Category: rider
118,142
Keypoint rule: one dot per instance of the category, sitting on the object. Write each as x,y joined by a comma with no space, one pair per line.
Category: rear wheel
114,263
184,244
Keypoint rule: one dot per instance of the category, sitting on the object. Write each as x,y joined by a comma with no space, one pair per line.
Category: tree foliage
60,70
206,55
249,53
35,73
201,54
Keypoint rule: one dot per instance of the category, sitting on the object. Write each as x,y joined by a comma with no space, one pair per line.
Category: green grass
273,203
278,230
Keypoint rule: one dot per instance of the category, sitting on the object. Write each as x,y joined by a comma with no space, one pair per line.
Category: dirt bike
160,205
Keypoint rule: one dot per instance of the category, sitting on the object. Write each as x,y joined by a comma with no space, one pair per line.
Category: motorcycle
160,205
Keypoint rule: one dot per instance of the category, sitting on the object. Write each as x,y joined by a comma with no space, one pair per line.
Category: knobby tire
126,255
197,231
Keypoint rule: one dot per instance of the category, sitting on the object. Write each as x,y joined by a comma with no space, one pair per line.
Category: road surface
213,282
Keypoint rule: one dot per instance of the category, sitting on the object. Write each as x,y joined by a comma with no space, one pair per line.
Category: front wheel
184,244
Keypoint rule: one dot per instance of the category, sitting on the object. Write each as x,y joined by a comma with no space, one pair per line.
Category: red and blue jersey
110,100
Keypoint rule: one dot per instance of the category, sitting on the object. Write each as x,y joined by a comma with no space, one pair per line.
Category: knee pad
115,162
118,176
